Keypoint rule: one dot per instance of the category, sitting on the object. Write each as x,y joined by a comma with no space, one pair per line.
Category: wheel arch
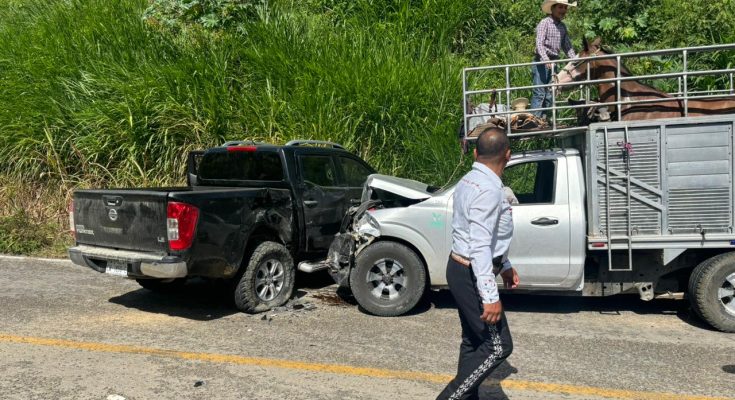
260,234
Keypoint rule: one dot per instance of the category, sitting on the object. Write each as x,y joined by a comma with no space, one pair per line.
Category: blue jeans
541,96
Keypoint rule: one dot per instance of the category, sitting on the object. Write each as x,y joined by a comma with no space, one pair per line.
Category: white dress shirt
482,226
505,229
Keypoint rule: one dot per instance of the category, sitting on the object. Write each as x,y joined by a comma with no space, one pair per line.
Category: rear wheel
389,279
268,279
712,291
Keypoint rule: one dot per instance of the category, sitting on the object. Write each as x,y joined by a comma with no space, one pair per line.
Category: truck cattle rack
651,184
561,115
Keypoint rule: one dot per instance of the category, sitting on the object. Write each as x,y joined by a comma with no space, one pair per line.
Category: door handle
544,221
113,201
310,203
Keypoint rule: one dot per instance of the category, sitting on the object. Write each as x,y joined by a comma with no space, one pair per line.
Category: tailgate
122,219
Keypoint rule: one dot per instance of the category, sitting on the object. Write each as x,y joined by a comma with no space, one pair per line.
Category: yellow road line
509,384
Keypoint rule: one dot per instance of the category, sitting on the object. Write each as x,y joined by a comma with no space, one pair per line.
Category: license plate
117,268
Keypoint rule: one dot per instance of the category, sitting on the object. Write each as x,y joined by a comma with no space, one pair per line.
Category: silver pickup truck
632,206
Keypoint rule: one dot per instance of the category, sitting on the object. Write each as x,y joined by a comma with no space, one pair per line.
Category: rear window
241,166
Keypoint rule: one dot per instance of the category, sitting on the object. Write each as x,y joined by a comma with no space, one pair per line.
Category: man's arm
483,218
541,32
506,265
509,275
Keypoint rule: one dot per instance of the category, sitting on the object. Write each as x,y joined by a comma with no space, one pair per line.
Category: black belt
497,261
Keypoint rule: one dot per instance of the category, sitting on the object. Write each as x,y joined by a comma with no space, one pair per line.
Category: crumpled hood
407,188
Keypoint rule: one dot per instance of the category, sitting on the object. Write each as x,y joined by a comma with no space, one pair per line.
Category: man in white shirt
482,228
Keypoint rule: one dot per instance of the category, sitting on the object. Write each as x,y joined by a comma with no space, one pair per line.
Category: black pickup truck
249,213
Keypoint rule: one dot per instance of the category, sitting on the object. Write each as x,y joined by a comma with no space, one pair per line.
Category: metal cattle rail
508,92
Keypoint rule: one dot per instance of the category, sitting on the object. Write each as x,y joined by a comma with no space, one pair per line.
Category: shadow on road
198,299
545,304
203,299
491,389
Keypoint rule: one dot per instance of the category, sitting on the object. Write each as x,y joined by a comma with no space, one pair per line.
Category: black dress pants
483,347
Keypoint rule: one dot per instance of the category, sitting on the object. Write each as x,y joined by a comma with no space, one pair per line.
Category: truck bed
661,183
135,219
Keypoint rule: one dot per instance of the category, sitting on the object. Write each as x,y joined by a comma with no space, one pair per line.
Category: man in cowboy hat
551,39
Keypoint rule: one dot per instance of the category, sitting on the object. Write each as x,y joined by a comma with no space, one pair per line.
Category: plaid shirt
551,37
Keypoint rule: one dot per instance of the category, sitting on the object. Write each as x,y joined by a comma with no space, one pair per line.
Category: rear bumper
138,265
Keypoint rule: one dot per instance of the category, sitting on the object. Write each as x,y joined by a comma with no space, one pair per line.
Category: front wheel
388,280
712,291
268,279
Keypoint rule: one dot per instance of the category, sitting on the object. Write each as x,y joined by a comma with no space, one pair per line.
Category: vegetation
100,93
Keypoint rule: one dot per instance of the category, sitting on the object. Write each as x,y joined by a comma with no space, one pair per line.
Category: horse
630,90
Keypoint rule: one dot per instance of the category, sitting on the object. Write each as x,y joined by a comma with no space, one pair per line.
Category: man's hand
491,312
510,278
549,66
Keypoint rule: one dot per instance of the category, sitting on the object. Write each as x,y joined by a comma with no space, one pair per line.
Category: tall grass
92,94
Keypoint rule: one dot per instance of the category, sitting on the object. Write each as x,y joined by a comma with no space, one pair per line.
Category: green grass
94,95
33,218
20,234
97,96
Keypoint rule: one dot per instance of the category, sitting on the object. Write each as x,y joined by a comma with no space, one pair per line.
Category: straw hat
519,104
546,7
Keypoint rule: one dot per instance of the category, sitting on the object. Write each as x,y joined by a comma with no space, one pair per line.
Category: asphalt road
67,332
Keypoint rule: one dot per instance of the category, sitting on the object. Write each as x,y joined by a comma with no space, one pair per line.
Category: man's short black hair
492,144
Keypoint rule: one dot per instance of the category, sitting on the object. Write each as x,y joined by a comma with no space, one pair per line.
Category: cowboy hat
546,7
519,104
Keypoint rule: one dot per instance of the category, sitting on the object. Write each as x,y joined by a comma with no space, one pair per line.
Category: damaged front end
360,228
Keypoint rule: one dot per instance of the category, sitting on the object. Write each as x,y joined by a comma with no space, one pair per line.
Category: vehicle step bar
310,266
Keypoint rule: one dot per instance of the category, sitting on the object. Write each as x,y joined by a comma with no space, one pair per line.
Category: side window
318,170
355,173
532,182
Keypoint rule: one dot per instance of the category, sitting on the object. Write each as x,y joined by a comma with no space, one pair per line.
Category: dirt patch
334,299
131,319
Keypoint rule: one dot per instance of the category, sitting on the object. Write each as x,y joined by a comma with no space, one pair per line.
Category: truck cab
550,215
251,213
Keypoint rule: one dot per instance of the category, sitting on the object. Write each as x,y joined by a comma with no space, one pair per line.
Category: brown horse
606,68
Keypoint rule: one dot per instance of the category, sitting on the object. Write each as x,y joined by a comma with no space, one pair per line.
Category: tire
162,285
712,291
388,280
268,279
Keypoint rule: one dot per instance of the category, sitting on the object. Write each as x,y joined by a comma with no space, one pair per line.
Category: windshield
441,190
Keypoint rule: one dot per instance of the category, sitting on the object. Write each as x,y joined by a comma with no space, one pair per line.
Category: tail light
181,223
238,149
72,229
